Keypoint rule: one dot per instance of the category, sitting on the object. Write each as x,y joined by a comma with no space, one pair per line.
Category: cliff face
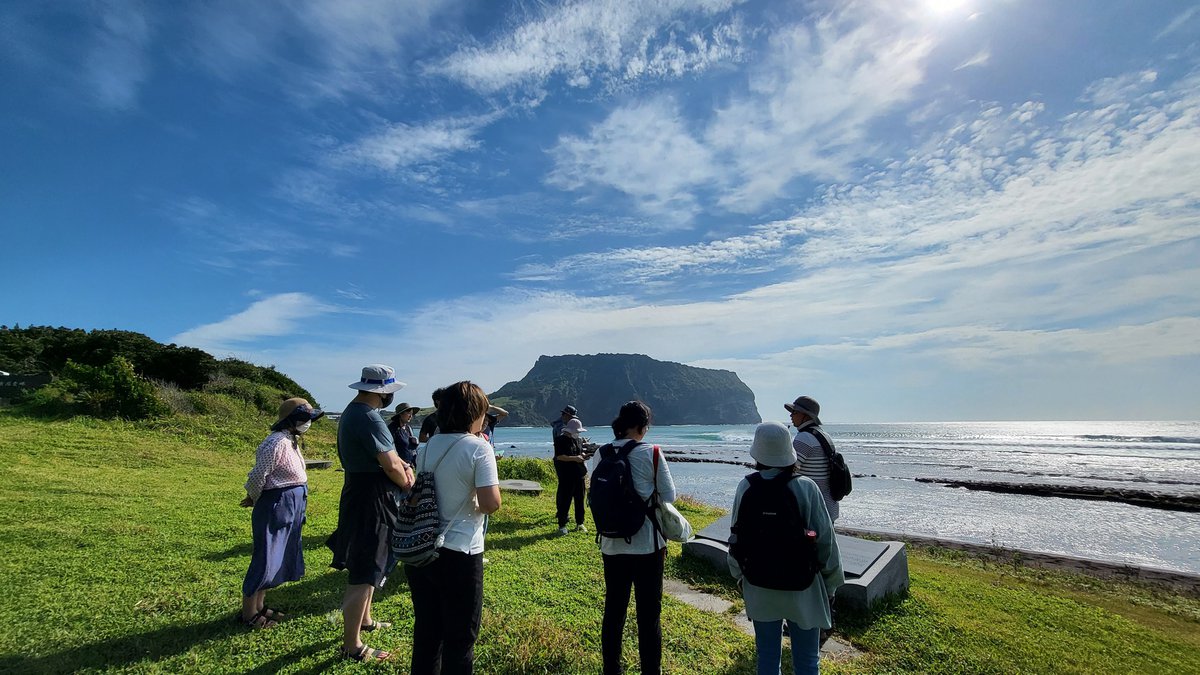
598,385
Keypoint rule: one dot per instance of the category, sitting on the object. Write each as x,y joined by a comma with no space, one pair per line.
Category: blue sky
920,210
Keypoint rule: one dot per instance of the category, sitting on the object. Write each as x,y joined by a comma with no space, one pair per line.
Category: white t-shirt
470,464
641,465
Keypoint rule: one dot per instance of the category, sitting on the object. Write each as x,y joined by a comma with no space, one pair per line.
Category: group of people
381,461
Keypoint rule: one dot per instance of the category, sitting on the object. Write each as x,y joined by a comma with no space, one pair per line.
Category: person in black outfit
429,425
569,459
568,413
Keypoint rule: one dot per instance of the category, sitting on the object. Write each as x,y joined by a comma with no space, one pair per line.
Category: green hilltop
127,375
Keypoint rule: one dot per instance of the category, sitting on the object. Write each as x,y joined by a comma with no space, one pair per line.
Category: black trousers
570,489
644,573
447,597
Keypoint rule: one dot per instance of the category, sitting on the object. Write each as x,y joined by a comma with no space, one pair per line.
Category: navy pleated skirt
277,521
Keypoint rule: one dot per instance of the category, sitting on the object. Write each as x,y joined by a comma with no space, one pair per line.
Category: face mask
303,427
387,399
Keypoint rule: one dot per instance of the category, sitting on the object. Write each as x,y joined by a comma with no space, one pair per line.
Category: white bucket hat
573,426
378,379
772,445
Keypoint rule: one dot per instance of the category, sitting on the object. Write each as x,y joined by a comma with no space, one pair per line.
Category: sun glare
944,7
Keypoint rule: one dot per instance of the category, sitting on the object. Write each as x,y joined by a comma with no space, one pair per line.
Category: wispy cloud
806,113
644,151
1178,22
594,38
116,64
352,46
274,316
980,59
401,145
105,66
1000,185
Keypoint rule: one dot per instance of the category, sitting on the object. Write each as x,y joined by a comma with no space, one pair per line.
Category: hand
246,501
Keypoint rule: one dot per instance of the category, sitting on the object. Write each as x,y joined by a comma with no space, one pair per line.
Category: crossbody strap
457,514
818,434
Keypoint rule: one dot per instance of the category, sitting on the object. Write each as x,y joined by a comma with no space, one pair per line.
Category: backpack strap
819,434
458,513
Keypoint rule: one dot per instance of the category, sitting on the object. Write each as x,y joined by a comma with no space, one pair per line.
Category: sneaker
581,528
562,530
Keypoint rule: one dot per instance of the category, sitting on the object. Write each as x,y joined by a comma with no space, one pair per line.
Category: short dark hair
632,415
461,404
437,395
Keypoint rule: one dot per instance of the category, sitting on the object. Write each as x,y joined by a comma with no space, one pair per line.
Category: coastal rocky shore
1147,498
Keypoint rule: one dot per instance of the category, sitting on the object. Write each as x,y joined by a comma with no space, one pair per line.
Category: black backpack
771,540
616,507
840,482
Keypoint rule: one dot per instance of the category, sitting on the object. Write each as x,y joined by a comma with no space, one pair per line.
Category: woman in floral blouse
277,488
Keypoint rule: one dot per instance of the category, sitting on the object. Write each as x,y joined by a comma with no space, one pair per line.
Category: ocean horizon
898,466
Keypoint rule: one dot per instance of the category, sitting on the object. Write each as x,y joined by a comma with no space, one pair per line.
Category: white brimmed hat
772,445
378,379
573,426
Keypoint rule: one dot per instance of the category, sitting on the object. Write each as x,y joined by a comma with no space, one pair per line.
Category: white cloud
1178,22
980,59
806,113
1000,186
401,146
582,40
810,105
116,64
351,46
643,150
277,315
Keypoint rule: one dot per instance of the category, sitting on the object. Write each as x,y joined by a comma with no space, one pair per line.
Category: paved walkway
833,647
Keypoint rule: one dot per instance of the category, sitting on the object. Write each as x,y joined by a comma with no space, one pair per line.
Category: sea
888,459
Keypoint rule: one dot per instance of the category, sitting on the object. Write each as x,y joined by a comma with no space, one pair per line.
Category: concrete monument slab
873,569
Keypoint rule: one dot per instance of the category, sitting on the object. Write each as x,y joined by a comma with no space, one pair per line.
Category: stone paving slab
833,647
517,485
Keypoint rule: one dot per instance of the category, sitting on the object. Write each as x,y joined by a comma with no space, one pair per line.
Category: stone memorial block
524,486
873,569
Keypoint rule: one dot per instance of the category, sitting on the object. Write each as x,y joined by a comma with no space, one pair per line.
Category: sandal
375,625
259,621
365,654
273,614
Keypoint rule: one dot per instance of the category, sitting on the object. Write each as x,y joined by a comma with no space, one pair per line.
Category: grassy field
124,550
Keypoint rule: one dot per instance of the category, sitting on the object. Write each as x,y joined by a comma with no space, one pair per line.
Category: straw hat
295,411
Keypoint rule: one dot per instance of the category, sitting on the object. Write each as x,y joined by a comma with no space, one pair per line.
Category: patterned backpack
419,533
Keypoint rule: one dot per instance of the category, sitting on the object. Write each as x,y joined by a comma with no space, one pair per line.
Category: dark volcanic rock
598,384
1154,500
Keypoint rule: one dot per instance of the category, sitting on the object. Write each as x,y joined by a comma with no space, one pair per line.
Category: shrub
526,468
175,399
262,396
111,390
209,403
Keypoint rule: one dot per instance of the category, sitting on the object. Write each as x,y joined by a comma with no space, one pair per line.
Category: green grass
124,550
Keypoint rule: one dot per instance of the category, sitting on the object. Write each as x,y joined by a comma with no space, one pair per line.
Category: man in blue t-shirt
374,472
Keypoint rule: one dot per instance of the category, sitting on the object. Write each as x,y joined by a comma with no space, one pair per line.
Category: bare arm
489,498
396,469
